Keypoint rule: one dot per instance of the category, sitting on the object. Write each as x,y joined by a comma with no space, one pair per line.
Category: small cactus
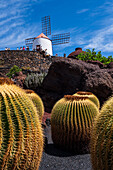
102,138
71,121
90,95
21,138
34,80
37,102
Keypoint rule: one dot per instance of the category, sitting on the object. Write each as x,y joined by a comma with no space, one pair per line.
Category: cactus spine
37,102
102,138
71,120
90,95
21,138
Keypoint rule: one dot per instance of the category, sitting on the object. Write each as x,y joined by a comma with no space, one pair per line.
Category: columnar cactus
21,138
71,121
37,102
102,138
90,95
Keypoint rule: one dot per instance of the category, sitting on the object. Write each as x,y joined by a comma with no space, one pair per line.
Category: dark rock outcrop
67,76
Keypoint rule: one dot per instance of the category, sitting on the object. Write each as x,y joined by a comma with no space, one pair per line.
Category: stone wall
27,60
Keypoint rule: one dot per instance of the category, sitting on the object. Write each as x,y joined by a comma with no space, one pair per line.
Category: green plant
90,95
15,69
37,102
92,55
21,138
71,121
102,138
34,80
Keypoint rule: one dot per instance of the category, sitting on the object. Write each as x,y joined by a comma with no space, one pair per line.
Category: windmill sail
60,38
46,25
29,42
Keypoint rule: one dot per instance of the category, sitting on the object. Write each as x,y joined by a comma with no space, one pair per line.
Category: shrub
92,55
15,69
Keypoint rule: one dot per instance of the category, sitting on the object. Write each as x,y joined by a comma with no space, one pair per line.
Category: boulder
67,76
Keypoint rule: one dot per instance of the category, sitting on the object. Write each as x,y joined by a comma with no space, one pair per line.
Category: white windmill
43,42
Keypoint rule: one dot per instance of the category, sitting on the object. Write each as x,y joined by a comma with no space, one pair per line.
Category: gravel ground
55,159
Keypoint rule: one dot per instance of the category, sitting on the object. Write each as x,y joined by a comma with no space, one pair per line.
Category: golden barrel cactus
102,138
37,102
71,121
21,138
90,95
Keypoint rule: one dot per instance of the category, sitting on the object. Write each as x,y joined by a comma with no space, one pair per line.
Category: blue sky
89,22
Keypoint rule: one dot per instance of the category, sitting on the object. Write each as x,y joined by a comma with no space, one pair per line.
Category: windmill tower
43,42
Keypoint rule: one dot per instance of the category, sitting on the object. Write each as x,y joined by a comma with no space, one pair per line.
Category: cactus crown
5,81
77,98
90,96
84,93
28,91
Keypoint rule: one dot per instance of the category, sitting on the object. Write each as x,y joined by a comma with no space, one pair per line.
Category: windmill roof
41,36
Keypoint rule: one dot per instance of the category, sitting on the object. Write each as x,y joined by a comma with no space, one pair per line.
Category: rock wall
28,60
67,76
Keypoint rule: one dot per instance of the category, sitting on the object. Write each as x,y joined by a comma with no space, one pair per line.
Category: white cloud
101,39
82,11
13,27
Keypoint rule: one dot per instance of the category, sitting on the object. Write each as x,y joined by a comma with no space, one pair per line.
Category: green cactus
102,138
37,102
21,138
71,121
90,95
34,80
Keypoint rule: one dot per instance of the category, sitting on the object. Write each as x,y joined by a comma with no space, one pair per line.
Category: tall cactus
71,121
102,138
21,138
90,95
37,102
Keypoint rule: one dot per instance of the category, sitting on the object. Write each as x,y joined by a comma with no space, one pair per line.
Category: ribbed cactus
71,121
21,138
37,102
90,95
102,138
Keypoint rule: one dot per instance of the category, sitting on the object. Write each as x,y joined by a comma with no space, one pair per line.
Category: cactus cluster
102,138
37,102
90,95
21,138
34,80
71,121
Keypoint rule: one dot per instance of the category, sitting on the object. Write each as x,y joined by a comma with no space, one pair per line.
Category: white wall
44,43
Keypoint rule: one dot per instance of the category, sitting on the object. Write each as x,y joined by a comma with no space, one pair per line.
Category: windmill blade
46,25
29,42
61,38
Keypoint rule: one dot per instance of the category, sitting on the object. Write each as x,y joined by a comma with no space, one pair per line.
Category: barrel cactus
37,102
21,138
71,121
90,95
102,138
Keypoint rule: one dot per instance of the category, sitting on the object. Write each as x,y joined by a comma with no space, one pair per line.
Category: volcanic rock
67,76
